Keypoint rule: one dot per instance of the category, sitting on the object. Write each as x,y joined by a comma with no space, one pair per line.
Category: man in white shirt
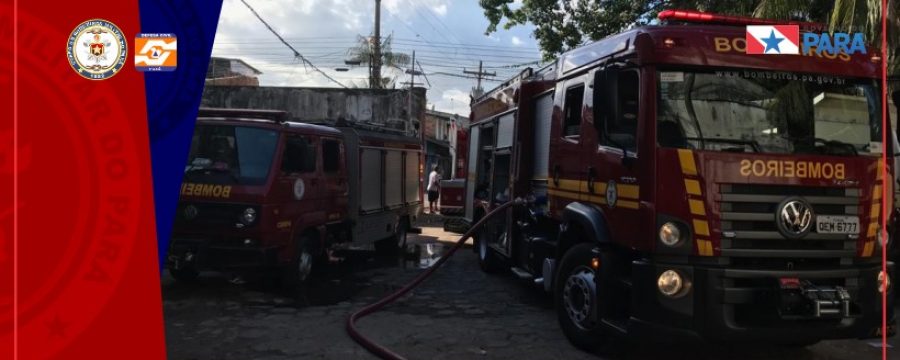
434,188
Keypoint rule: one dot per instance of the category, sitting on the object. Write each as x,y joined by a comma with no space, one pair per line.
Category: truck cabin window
331,156
299,155
618,124
574,101
768,112
224,154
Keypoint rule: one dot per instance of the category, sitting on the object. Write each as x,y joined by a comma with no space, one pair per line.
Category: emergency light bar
690,16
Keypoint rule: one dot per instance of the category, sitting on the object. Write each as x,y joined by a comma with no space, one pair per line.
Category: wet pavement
459,313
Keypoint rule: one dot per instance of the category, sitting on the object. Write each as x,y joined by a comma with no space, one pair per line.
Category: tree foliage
364,53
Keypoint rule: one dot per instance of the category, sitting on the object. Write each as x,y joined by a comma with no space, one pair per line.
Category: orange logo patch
155,52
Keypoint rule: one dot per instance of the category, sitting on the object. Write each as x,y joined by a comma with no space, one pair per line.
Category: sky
447,36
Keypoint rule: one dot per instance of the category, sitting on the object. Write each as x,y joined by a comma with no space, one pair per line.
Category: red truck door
299,182
612,172
567,162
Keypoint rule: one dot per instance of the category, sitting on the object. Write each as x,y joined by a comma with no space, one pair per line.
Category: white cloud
440,9
516,41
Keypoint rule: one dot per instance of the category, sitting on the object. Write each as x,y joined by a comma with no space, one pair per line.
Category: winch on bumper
218,254
753,305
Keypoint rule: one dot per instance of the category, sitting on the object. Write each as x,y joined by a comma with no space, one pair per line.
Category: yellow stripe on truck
688,166
704,247
692,186
701,227
697,207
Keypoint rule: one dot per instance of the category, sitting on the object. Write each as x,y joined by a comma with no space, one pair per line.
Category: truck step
521,273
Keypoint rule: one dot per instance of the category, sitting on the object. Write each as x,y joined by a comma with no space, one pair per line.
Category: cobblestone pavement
459,313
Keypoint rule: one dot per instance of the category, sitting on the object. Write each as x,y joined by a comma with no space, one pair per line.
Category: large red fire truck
682,188
263,192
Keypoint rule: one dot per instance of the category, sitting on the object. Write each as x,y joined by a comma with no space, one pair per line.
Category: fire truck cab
263,192
679,186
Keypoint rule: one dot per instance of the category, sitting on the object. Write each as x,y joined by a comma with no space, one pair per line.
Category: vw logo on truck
794,218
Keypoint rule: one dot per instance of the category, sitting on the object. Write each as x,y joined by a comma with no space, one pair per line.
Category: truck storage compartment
393,178
370,178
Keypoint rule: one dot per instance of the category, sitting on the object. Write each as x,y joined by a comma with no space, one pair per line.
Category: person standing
434,188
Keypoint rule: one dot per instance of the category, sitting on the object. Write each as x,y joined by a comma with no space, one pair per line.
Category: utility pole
412,82
376,62
480,74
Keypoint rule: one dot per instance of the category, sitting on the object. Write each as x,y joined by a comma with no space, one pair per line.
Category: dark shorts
432,196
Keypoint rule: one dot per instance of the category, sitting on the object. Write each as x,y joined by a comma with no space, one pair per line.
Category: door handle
591,179
556,175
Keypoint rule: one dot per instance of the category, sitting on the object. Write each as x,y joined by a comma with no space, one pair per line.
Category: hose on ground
382,351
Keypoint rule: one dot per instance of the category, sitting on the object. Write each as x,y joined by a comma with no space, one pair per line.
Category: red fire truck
682,188
262,192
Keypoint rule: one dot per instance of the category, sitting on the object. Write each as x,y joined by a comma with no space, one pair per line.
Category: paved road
459,313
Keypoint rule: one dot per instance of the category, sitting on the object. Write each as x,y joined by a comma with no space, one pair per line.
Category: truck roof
291,126
709,46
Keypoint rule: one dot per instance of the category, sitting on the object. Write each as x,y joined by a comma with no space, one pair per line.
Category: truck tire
186,274
575,295
390,245
488,260
299,271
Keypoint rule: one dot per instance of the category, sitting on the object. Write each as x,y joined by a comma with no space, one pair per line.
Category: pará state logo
97,49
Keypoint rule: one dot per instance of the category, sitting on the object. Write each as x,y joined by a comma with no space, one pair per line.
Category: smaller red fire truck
263,192
683,189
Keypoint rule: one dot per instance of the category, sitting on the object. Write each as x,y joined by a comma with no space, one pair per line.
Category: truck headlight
249,216
884,282
669,234
670,283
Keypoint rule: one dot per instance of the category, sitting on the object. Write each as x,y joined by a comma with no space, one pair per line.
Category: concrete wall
382,108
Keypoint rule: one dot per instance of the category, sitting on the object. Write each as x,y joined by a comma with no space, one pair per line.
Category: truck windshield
224,154
768,112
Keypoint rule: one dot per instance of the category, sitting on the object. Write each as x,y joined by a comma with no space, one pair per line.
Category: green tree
561,25
364,53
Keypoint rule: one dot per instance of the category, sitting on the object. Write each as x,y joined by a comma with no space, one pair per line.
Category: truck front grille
751,238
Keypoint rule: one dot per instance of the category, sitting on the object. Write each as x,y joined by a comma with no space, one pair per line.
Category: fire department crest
96,49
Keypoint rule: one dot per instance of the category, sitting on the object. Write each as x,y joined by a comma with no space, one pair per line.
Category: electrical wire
296,53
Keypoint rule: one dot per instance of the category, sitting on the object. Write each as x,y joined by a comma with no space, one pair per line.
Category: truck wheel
487,258
575,294
390,245
300,269
186,274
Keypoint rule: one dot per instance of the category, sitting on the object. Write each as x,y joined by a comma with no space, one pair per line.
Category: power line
296,53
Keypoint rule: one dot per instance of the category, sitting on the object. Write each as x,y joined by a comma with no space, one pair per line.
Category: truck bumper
211,254
740,306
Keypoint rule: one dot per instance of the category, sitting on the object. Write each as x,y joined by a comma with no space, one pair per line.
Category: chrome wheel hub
304,266
579,297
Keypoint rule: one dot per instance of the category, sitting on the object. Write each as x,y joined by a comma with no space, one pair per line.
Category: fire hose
381,351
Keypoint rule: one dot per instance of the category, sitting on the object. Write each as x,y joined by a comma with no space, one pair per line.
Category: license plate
833,224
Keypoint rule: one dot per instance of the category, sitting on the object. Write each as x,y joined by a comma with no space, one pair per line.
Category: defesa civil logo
96,49
155,52
786,39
